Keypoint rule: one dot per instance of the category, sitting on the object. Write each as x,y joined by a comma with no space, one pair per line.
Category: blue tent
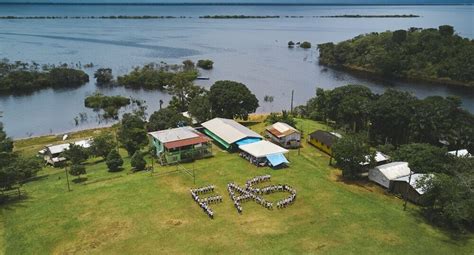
247,141
277,159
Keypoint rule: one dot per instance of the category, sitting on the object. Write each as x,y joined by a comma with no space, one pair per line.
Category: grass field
141,213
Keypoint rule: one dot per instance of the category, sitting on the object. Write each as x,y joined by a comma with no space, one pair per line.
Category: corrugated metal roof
281,129
175,134
187,142
379,157
54,149
262,149
229,130
394,170
413,181
325,137
461,153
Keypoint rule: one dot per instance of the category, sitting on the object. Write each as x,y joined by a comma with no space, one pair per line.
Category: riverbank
372,75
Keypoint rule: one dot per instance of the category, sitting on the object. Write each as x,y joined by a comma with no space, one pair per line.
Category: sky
251,1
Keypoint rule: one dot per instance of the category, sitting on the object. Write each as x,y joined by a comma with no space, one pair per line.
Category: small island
18,77
426,55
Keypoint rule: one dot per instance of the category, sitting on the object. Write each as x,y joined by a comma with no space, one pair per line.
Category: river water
252,51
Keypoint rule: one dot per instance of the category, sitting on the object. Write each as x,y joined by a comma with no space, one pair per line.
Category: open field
141,213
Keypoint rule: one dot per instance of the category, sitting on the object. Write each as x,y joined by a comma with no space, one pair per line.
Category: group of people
203,190
239,195
204,202
231,188
287,201
257,179
256,161
251,193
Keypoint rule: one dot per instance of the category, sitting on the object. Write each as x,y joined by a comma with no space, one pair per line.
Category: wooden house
284,135
180,144
323,140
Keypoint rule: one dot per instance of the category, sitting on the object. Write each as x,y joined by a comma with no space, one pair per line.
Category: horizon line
230,4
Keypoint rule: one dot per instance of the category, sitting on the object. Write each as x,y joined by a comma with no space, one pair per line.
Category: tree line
433,55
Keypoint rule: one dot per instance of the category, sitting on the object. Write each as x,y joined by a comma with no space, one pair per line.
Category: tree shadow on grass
360,183
454,237
79,180
11,202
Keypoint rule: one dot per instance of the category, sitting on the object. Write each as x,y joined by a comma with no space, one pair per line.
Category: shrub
114,161
205,64
137,161
305,45
291,44
77,170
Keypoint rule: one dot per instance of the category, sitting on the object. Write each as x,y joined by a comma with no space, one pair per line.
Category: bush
103,76
77,170
205,64
291,44
305,45
137,161
102,145
114,161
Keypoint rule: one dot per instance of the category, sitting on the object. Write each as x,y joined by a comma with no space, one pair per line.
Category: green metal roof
217,138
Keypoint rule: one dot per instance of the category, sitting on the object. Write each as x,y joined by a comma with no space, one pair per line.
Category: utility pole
67,179
292,94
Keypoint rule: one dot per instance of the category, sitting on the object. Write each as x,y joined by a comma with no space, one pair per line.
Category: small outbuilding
263,153
463,153
323,140
408,187
379,159
229,133
52,153
284,135
383,174
180,144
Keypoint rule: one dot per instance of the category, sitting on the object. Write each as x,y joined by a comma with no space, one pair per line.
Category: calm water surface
250,51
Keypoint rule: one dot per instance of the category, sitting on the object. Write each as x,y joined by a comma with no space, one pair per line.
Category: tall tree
349,106
132,134
423,158
166,118
349,152
183,91
230,99
390,117
76,154
200,108
102,145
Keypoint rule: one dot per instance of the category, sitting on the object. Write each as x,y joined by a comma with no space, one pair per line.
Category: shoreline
417,81
234,4
254,117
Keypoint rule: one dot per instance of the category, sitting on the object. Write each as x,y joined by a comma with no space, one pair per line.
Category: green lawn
124,213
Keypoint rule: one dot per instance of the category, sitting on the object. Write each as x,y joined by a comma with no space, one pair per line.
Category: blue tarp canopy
247,141
277,159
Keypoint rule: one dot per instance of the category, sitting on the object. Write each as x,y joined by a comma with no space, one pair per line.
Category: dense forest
418,131
17,77
434,55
